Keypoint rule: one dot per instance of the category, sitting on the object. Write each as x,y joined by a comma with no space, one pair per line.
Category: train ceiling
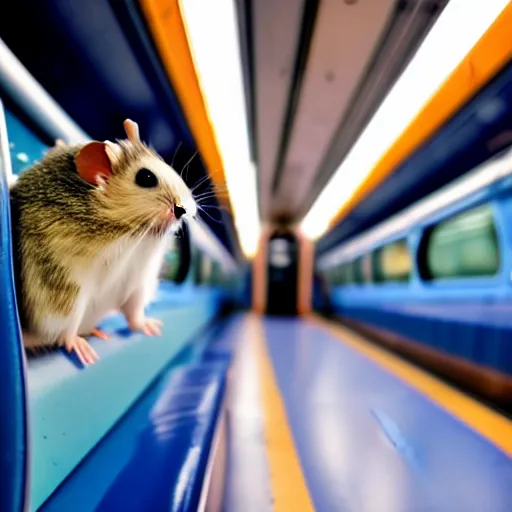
315,72
317,77
318,70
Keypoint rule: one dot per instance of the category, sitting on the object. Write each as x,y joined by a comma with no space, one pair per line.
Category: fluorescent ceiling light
213,35
461,24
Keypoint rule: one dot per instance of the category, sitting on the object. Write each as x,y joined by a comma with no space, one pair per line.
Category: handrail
39,105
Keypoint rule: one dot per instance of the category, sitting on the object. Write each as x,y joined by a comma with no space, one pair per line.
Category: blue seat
479,332
72,409
13,427
166,471
156,456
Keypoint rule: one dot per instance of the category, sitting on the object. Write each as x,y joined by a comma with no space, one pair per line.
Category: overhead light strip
165,21
452,64
213,37
485,175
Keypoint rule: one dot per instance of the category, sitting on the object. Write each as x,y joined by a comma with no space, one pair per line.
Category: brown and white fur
88,239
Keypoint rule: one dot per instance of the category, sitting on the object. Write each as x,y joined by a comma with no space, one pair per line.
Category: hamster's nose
179,211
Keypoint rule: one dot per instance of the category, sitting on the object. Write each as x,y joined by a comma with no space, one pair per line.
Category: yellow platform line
493,426
484,61
289,488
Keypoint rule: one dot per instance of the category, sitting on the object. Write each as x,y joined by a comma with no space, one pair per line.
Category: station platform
347,426
290,415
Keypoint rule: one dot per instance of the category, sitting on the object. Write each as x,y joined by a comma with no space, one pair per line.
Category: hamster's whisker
175,153
201,202
215,207
210,194
206,195
208,215
200,182
213,192
212,206
148,227
186,166
213,187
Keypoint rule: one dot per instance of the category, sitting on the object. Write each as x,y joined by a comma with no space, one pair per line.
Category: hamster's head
135,188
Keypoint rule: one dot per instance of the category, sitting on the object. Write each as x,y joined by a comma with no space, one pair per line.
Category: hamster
90,230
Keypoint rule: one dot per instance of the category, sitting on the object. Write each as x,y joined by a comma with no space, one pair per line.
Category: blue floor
368,442
365,440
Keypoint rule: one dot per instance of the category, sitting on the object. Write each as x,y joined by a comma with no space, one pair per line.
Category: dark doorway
282,273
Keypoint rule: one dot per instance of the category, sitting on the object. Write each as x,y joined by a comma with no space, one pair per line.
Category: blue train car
350,158
435,281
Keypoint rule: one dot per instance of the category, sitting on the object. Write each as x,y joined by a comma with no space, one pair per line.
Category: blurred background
351,164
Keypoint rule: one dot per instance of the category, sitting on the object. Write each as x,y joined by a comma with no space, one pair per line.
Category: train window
216,277
358,274
347,273
177,259
206,269
197,265
24,145
334,276
392,262
341,275
280,253
366,268
465,245
172,263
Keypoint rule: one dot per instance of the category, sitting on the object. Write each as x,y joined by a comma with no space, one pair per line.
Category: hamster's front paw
149,326
98,333
85,353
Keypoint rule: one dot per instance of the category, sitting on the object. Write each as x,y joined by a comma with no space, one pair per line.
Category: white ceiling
350,59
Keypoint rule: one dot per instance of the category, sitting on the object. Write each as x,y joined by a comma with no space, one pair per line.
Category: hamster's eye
145,178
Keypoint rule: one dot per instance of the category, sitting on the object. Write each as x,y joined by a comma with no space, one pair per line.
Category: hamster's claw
149,326
85,353
98,333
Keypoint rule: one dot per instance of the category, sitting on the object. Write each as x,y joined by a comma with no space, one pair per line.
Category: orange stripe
167,25
495,427
259,272
305,274
490,54
289,488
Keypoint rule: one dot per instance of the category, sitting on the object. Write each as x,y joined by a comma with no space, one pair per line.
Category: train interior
337,316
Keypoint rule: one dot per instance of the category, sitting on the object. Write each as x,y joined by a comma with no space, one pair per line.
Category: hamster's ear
132,130
113,151
93,164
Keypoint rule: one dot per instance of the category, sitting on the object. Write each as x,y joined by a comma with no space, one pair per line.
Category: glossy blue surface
73,408
13,422
154,458
247,485
369,442
24,146
479,333
466,317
